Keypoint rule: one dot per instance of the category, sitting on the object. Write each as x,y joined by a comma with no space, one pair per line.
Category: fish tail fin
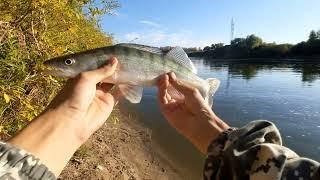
213,85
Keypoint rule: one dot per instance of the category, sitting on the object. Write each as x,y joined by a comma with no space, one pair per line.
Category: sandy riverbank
122,149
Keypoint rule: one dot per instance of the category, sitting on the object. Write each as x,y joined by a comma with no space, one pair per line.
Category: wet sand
121,149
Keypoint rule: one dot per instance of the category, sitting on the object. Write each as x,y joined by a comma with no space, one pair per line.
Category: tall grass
32,32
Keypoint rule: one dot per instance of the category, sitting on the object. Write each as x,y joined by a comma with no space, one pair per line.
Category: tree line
254,47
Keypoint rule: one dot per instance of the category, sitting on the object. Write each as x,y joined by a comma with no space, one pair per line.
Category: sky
197,23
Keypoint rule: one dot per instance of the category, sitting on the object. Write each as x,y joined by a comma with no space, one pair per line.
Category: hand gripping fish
139,66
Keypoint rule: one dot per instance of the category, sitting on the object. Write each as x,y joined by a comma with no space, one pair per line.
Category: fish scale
139,66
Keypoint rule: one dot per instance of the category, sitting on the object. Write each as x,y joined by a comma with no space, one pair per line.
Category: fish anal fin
213,87
131,93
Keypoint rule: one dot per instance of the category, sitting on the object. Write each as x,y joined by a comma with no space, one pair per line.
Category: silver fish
139,66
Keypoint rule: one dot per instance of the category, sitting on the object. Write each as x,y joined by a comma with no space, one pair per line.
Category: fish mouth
53,71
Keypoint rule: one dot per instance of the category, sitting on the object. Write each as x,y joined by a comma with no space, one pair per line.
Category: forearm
49,138
206,129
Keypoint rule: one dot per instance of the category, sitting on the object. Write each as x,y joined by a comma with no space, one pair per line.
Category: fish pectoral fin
131,93
177,54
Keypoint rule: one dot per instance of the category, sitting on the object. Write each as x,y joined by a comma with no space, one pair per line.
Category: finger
168,96
104,90
163,83
162,96
160,80
104,87
102,73
183,88
117,94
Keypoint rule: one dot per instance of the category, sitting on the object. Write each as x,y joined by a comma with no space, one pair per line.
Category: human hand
80,108
86,102
188,113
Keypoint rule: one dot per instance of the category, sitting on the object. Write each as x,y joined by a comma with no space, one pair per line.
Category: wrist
51,138
204,130
69,121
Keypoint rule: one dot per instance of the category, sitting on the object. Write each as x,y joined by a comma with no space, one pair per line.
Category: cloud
182,38
132,36
159,35
150,23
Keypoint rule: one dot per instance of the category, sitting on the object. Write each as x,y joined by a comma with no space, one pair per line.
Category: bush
32,32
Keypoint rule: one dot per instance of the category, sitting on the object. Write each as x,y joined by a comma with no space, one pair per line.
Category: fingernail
111,61
173,76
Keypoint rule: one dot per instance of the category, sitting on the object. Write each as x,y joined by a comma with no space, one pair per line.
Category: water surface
287,94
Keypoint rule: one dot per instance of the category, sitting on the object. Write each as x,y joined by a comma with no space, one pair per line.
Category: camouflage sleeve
255,151
18,164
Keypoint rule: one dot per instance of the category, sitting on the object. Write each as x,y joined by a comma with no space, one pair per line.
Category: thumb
103,72
183,88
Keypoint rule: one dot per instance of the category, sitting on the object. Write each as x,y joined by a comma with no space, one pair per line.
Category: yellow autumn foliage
32,31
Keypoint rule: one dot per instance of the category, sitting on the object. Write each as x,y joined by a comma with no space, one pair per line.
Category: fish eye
69,61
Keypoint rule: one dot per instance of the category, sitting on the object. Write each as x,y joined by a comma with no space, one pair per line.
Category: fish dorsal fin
182,58
131,93
142,47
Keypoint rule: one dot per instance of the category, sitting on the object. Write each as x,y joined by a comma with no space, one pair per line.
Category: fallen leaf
6,98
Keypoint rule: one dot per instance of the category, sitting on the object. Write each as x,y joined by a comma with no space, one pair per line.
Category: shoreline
120,149
275,59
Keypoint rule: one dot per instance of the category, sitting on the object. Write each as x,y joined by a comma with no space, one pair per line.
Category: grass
82,152
30,33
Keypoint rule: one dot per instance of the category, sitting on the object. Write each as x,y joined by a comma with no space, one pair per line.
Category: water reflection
285,93
310,70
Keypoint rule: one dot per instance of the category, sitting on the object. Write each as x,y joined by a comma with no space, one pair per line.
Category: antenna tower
232,30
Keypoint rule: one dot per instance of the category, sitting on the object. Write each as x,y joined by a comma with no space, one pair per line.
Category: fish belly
139,71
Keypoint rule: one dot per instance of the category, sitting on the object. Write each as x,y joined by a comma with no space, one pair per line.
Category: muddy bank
121,149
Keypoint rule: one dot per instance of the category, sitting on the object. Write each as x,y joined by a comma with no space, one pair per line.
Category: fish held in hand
139,66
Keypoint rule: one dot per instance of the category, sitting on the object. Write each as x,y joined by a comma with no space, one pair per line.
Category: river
287,94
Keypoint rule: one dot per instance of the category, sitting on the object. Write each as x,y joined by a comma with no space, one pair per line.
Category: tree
238,42
253,47
313,36
32,32
219,45
207,48
253,41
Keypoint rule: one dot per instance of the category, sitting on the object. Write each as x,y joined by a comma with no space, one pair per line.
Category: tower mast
232,30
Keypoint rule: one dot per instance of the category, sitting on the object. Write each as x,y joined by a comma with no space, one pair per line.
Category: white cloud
150,23
183,38
159,35
132,36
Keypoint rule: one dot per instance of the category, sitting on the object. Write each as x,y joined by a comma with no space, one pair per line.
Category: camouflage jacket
251,152
255,152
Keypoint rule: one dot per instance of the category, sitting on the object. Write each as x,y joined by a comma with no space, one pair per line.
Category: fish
139,66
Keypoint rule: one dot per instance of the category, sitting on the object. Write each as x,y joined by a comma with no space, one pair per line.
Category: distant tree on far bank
254,47
308,48
313,36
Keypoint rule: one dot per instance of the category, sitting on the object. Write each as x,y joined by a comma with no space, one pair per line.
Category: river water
286,93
